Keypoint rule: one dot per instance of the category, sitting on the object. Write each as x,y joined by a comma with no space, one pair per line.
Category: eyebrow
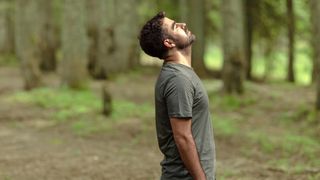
173,24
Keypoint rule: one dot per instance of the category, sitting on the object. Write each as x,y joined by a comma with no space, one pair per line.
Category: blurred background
76,91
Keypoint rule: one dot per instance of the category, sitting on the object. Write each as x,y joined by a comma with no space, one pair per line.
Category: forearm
189,155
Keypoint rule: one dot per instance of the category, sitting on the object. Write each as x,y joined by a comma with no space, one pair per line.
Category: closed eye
173,25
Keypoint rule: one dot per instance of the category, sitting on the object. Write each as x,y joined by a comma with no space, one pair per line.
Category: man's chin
187,44
192,38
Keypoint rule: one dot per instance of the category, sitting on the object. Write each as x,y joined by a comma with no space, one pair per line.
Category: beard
184,44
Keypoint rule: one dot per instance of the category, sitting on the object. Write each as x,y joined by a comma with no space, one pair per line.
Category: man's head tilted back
152,36
162,36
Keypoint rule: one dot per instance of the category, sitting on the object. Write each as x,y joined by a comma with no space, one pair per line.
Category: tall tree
27,37
125,37
268,20
315,14
74,44
233,50
249,7
6,27
291,32
99,24
106,41
314,10
196,25
105,51
48,36
97,16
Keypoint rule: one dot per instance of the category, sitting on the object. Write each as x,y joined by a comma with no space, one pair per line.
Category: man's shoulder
174,76
176,71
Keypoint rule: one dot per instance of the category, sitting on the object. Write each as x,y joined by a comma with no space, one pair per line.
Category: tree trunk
196,25
318,95
48,42
106,42
315,14
107,100
74,45
6,27
95,18
3,27
249,35
233,50
125,37
27,36
291,31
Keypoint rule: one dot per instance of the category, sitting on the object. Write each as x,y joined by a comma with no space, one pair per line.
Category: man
183,120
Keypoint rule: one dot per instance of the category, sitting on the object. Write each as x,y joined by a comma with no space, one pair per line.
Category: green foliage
170,7
146,10
269,18
302,16
213,57
277,67
213,19
278,59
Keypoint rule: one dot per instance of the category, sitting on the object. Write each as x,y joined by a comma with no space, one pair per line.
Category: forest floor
268,133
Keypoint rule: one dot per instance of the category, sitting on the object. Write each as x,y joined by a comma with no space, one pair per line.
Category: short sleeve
178,94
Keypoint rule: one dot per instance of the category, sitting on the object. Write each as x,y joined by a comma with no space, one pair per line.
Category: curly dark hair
152,36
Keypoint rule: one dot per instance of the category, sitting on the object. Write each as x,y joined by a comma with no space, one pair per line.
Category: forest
77,91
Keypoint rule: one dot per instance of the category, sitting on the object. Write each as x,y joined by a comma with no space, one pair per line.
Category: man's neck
180,57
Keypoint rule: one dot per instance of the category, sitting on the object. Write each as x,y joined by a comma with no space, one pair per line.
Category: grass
294,148
87,126
8,60
225,127
124,109
65,102
230,102
290,144
7,178
82,108
305,113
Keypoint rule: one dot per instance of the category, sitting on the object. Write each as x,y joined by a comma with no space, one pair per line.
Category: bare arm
187,148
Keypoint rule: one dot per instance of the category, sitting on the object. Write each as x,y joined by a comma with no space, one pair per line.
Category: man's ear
169,43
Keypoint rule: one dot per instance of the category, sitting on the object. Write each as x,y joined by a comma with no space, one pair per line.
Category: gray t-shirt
179,93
